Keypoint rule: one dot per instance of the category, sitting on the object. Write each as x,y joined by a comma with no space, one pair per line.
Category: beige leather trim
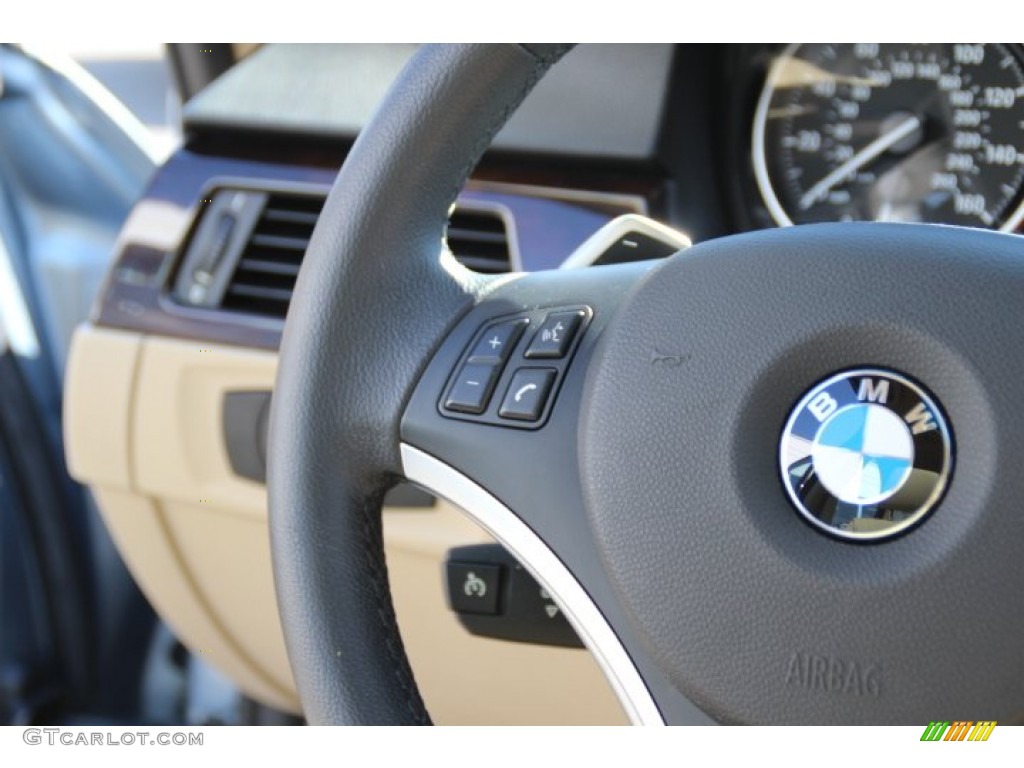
160,565
143,428
98,393
178,451
226,559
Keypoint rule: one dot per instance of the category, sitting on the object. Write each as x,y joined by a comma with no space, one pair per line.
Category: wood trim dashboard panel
553,210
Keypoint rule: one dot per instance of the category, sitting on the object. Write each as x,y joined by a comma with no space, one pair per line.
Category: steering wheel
771,479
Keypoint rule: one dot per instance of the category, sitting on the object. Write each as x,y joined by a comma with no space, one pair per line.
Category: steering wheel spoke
492,426
499,401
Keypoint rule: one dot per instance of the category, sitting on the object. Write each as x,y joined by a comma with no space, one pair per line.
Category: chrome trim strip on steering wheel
441,479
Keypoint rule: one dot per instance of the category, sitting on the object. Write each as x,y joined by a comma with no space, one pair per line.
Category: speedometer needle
859,160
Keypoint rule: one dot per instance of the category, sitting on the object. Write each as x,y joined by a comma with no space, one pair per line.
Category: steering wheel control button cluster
474,587
497,341
527,393
472,388
523,611
497,358
865,455
555,335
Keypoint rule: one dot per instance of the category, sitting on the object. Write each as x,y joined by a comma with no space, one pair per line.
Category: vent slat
497,252
269,267
280,241
291,217
478,221
479,240
475,236
265,275
261,292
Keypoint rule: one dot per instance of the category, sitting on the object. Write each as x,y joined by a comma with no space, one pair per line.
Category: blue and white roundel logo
865,454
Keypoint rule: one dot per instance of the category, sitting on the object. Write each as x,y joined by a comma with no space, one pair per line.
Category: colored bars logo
961,730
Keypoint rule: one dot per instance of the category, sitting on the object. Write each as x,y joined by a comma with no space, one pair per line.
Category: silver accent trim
443,480
635,203
764,184
599,242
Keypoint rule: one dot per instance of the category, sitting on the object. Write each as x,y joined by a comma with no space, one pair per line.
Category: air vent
479,240
264,277
265,274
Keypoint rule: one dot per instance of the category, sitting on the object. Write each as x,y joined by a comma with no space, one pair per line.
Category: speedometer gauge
874,132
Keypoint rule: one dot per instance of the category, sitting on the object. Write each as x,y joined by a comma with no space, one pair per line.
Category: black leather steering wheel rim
376,293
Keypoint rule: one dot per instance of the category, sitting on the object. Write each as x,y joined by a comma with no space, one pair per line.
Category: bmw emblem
865,455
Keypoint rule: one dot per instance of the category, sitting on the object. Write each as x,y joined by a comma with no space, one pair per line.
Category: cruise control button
473,587
527,394
553,338
472,388
497,342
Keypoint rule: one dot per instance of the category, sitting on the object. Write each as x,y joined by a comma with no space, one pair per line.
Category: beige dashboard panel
145,536
471,680
195,537
178,451
98,394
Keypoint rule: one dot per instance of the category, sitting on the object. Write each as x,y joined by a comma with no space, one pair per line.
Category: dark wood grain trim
550,223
